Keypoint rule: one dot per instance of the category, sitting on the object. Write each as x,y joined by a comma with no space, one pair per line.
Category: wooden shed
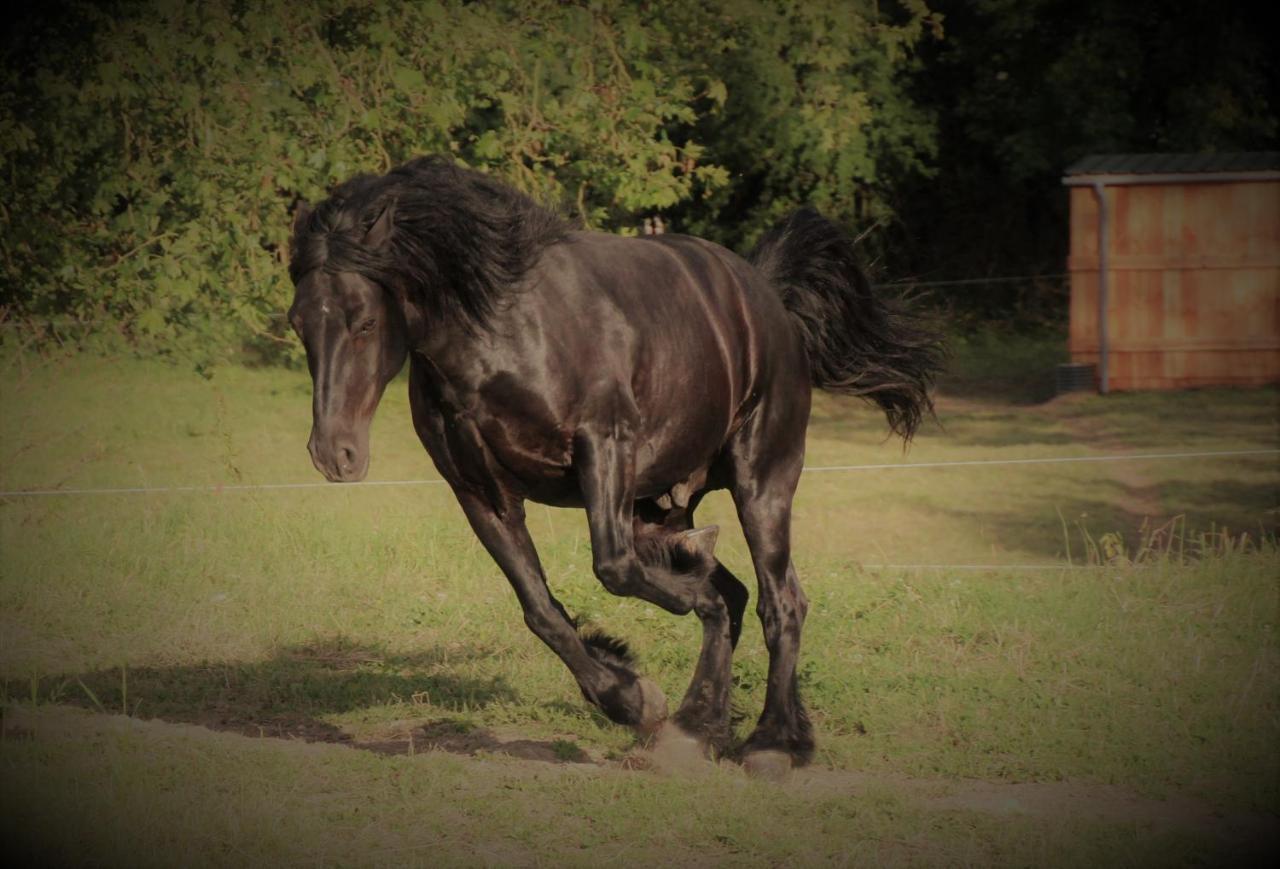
1182,252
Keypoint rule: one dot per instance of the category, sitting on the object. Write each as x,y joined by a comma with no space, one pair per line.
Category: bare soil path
1074,800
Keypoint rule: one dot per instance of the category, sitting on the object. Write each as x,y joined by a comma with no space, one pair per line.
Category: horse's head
354,333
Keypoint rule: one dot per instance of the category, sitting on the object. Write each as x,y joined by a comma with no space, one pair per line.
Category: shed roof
1175,164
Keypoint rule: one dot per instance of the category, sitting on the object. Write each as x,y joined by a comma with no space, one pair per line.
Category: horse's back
676,292
692,333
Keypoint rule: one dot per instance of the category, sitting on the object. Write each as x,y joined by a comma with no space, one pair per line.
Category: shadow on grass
1233,504
957,425
1003,367
289,695
1131,512
981,429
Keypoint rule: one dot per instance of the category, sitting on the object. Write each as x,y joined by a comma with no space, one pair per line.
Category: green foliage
816,113
152,151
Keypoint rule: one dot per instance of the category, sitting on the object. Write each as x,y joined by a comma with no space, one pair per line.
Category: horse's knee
782,611
617,574
802,604
709,605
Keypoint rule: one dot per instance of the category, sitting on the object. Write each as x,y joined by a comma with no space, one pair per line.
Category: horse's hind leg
629,565
705,708
704,712
766,469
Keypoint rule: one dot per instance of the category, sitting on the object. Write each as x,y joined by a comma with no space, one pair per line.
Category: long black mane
459,239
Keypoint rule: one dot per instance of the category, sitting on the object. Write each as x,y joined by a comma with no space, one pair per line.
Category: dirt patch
1250,834
1097,802
1137,495
406,738
458,738
294,727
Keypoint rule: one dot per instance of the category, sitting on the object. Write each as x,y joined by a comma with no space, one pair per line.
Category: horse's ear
300,216
380,232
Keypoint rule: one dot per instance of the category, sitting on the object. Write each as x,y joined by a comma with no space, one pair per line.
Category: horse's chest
508,435
527,448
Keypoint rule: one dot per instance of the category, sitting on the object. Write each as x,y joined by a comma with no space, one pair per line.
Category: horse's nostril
346,458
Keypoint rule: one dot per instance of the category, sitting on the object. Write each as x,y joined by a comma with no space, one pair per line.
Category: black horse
626,376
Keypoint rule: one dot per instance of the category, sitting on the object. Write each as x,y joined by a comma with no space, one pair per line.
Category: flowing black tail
858,343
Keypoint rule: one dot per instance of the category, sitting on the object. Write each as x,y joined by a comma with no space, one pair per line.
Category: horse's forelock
333,235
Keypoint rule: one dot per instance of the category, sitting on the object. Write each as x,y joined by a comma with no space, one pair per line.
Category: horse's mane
459,239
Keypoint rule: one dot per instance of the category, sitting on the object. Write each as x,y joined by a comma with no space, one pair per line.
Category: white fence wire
812,469
815,469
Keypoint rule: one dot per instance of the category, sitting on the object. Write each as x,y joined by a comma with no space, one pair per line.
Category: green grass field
1051,664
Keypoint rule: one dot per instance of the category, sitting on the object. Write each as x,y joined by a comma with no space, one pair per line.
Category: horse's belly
677,451
682,428
672,458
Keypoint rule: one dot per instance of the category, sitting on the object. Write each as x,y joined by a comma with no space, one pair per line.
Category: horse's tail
858,343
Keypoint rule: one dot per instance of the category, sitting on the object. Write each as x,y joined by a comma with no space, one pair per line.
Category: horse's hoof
702,541
653,707
675,750
768,765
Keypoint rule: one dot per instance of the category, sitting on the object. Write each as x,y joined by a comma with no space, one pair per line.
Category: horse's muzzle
340,459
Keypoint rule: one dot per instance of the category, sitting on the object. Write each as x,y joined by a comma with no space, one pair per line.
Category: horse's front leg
692,580
605,678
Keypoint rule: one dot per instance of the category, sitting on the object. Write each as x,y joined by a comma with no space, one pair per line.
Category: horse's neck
450,351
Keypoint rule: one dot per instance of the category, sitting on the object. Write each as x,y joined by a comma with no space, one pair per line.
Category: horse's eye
367,326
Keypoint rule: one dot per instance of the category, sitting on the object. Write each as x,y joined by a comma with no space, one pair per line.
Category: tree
815,111
153,150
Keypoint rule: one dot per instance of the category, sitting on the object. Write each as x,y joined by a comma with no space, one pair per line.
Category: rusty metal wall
1194,286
